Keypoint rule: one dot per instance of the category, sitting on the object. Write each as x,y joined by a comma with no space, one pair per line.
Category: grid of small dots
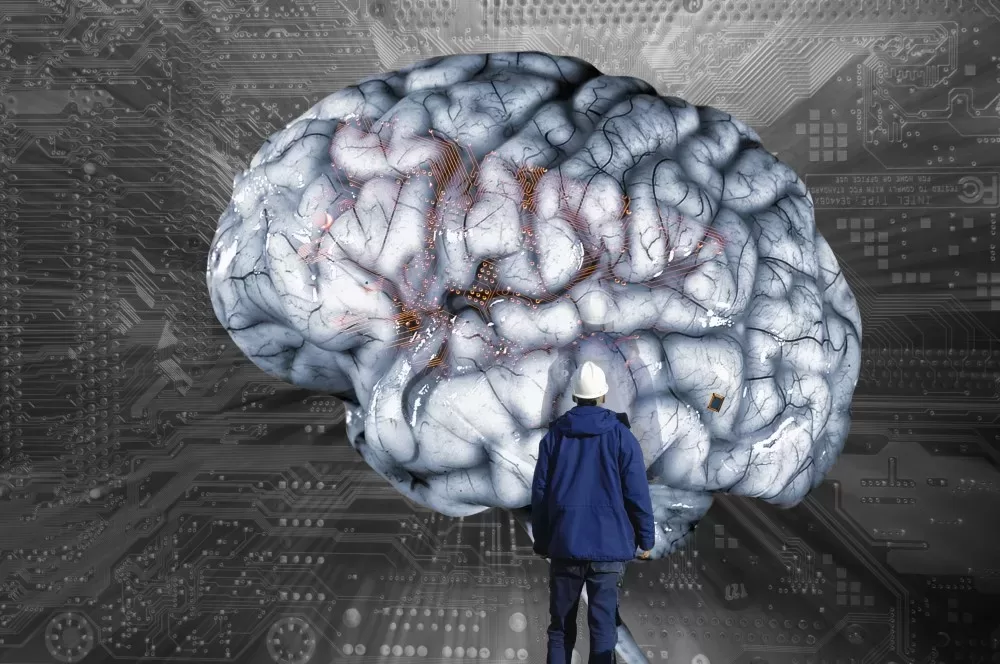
438,13
964,370
768,631
422,15
746,10
326,406
820,10
849,593
191,329
96,363
567,13
10,341
414,620
827,140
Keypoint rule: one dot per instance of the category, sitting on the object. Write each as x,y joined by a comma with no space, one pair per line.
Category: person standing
590,512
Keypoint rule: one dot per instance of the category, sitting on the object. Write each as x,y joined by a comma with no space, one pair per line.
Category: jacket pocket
612,536
591,532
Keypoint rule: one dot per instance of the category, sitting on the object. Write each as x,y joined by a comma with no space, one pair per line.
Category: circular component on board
291,641
69,637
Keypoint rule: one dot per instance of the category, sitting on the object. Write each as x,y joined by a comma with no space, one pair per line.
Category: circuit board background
162,499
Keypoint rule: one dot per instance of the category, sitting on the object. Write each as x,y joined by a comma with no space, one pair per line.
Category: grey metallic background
161,495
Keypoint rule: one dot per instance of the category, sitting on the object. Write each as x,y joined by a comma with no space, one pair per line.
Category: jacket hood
587,421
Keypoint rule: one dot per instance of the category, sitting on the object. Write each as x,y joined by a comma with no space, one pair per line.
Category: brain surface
443,245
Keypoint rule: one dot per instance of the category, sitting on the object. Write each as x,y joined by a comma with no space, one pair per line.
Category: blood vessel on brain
441,246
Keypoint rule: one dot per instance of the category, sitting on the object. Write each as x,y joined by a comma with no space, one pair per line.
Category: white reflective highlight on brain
442,246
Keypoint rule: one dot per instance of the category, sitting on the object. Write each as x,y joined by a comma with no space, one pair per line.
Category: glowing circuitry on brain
443,245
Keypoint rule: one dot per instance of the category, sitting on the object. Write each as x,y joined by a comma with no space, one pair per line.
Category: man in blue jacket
590,510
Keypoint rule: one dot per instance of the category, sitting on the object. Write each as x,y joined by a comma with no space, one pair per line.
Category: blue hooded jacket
590,496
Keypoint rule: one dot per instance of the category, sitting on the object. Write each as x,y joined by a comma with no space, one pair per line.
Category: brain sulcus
441,246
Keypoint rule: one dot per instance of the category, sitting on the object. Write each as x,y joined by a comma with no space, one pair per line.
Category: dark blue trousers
566,580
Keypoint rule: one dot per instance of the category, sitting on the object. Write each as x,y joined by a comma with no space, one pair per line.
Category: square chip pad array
441,246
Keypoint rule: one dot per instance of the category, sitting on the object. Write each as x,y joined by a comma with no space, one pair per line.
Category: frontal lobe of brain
442,246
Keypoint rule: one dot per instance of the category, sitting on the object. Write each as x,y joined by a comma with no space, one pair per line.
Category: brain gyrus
441,246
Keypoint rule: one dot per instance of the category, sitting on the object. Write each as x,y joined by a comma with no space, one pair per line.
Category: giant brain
443,245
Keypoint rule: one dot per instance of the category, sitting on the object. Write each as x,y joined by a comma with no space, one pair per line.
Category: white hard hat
589,382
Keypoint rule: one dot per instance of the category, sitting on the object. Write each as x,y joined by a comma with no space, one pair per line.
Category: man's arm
635,490
539,503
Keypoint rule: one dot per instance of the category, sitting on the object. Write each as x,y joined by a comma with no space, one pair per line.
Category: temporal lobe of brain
454,187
